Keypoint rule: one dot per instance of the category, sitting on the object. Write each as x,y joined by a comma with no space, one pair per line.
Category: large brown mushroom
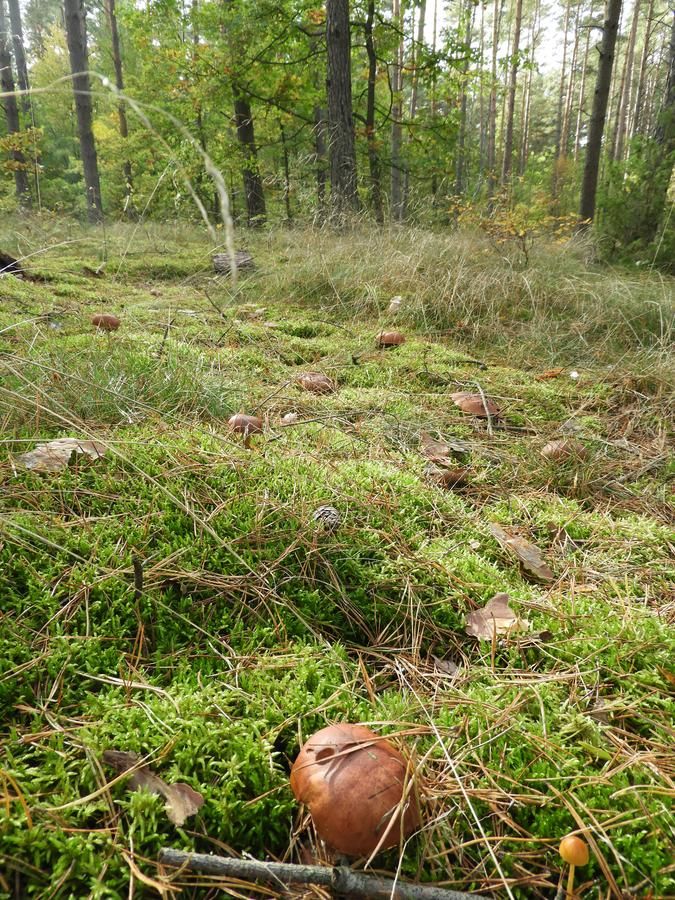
476,405
317,383
246,425
388,339
105,321
355,784
564,449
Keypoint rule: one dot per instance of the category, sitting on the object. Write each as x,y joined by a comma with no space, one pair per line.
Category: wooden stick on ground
342,880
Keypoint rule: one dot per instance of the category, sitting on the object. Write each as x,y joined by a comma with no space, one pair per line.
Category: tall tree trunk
121,111
253,187
642,75
396,117
482,142
434,102
664,133
321,159
20,55
371,134
76,34
582,85
597,125
626,87
414,93
460,155
527,99
563,79
515,63
12,110
287,175
492,109
341,147
567,111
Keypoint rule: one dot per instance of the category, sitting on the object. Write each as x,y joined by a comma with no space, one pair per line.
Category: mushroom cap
564,448
390,339
573,850
316,382
105,321
244,424
475,405
353,788
447,478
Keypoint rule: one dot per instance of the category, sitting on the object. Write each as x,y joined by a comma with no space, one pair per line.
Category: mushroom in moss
574,851
455,477
316,383
246,425
358,788
105,321
476,405
564,449
388,339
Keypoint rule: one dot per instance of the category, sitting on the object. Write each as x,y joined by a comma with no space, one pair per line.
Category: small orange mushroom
388,339
246,425
105,321
476,405
317,383
575,852
355,784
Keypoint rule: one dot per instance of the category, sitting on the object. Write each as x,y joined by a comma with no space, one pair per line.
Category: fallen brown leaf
446,666
527,554
54,456
495,618
181,800
549,373
443,453
564,448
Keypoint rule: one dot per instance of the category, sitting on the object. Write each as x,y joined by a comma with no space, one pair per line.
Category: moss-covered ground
253,628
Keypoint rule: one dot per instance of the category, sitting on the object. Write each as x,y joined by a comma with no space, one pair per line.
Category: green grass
253,630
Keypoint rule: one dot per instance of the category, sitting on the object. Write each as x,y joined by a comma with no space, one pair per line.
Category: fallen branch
340,879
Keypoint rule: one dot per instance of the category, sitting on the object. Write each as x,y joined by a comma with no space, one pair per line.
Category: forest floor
253,627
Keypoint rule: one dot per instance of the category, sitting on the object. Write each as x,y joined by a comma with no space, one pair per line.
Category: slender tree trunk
567,111
76,34
460,155
371,134
527,99
597,125
515,63
253,187
414,93
434,103
287,175
563,79
664,133
396,118
626,87
121,110
505,92
20,55
342,151
12,111
482,144
582,85
642,76
492,110
321,159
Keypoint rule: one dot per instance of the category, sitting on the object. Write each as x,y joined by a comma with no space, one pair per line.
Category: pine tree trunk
396,118
642,76
527,99
582,85
253,187
111,14
76,34
12,111
626,85
414,93
371,134
287,175
341,147
598,116
460,157
515,63
321,159
482,144
20,55
492,109
567,111
664,133
563,79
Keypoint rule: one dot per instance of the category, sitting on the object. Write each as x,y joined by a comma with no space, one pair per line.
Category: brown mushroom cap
447,478
390,339
246,425
317,383
105,321
573,850
475,405
353,788
565,448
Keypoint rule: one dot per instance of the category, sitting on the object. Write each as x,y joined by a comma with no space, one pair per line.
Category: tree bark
460,155
396,117
563,78
20,54
567,110
582,85
371,135
492,104
642,75
527,99
341,147
12,111
597,125
287,175
76,34
321,161
515,63
253,187
625,89
121,111
414,94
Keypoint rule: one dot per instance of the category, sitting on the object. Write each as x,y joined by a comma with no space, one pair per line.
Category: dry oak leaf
493,619
181,800
526,553
475,405
54,456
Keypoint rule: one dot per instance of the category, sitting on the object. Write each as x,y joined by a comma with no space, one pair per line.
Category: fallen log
222,262
341,880
9,265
